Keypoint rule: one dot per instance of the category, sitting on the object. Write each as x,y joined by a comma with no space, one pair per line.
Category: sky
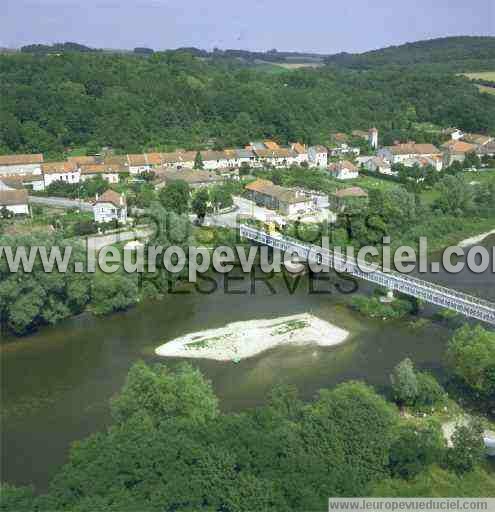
321,26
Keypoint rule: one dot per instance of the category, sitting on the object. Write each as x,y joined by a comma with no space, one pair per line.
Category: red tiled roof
36,158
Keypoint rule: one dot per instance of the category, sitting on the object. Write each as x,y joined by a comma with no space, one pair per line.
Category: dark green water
56,384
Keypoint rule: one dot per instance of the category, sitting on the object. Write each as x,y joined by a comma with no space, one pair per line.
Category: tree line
53,103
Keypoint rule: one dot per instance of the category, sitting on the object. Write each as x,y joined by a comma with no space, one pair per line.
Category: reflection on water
56,384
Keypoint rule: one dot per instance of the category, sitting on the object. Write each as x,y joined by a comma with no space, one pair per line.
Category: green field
488,90
485,75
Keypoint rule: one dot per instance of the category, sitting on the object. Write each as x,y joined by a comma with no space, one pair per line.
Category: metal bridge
463,303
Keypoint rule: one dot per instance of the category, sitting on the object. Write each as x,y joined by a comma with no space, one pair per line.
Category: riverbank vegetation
170,448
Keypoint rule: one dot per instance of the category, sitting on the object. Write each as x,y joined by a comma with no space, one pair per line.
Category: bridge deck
438,295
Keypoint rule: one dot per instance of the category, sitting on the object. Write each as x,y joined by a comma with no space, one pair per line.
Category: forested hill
462,53
174,99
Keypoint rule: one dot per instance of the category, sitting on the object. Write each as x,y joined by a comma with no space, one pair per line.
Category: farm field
485,75
484,88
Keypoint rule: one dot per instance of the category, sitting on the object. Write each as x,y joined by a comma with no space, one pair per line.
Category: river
56,384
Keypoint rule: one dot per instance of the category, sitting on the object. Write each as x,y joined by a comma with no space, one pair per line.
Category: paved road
60,202
97,242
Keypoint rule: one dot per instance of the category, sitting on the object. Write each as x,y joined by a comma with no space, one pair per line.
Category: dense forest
172,99
463,53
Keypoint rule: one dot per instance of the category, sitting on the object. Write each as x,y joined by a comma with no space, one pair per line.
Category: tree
468,449
200,204
471,356
221,197
163,394
175,197
430,392
404,382
198,161
414,448
113,292
455,195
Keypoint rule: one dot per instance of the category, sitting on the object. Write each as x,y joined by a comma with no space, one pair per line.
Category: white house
107,172
14,200
277,157
21,164
213,160
285,200
401,153
380,165
60,171
179,159
344,149
110,206
138,164
318,156
454,133
301,151
343,170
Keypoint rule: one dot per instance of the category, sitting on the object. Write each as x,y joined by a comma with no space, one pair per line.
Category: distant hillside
463,53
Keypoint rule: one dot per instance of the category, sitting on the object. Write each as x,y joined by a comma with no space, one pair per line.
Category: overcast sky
324,26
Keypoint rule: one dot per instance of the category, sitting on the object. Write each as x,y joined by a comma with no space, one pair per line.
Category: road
61,202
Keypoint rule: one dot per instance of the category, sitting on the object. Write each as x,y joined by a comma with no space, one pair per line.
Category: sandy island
475,239
241,340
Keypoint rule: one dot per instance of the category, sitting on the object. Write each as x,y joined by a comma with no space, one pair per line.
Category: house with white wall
287,201
21,164
400,153
110,206
213,160
379,165
318,156
301,152
343,170
67,172
14,200
107,172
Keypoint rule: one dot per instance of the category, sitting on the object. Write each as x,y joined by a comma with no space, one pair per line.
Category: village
24,179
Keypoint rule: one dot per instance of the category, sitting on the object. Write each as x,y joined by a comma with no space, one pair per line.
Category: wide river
56,384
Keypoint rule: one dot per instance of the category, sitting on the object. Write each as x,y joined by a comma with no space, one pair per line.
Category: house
318,156
245,158
285,200
194,178
301,152
343,149
343,170
281,157
105,171
21,164
456,151
346,197
213,160
380,165
270,144
27,181
110,206
400,153
138,164
424,161
67,172
453,133
179,159
14,200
